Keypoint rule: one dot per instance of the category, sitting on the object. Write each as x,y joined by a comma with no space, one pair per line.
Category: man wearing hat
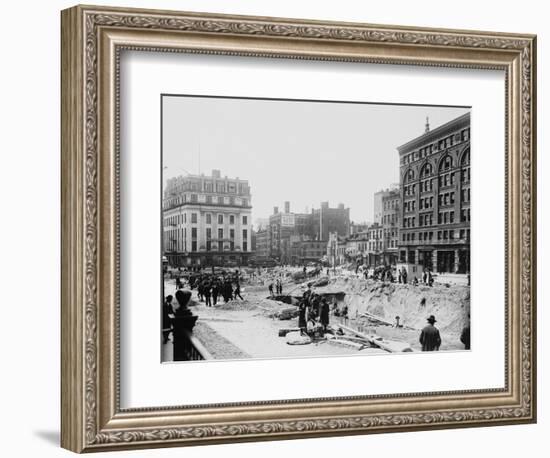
429,337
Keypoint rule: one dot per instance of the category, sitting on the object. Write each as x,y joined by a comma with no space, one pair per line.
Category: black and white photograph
311,228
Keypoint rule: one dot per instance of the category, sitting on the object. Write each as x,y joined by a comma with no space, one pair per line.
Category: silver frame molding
92,39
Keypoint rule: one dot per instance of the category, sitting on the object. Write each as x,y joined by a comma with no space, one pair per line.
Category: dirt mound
236,305
323,281
413,304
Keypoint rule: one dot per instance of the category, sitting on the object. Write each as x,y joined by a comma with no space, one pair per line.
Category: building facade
377,208
306,251
391,204
375,245
355,228
336,249
206,221
326,220
357,245
292,236
263,249
434,229
284,228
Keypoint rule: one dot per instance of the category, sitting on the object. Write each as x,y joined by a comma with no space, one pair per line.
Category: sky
305,152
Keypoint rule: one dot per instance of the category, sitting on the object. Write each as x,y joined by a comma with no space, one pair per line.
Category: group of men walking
278,287
209,291
210,288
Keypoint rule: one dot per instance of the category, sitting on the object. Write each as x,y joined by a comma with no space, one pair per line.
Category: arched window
446,164
426,170
409,176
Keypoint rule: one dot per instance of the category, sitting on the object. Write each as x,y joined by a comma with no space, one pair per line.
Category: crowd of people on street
391,274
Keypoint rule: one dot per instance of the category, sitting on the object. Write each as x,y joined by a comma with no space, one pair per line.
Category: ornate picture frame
92,40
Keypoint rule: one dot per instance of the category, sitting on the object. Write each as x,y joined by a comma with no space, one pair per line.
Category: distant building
435,194
391,204
336,249
305,251
261,223
375,245
355,228
326,220
292,235
377,215
206,220
357,246
283,227
263,243
253,240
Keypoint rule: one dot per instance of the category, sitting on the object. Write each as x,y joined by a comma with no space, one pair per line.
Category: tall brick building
435,194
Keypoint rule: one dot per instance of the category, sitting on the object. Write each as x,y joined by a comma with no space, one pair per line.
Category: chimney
341,206
427,124
287,207
275,210
216,173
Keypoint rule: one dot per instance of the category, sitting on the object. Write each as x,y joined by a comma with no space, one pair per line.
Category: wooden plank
346,343
393,346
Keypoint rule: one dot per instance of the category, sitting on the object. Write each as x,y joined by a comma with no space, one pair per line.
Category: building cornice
435,134
221,208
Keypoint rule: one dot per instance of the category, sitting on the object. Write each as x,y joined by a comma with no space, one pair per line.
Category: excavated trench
339,296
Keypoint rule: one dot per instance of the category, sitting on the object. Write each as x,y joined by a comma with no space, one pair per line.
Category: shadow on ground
52,437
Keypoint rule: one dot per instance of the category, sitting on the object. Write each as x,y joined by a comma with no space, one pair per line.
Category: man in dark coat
465,336
324,317
200,291
215,292
238,291
429,337
207,291
167,318
316,304
228,296
307,294
302,324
